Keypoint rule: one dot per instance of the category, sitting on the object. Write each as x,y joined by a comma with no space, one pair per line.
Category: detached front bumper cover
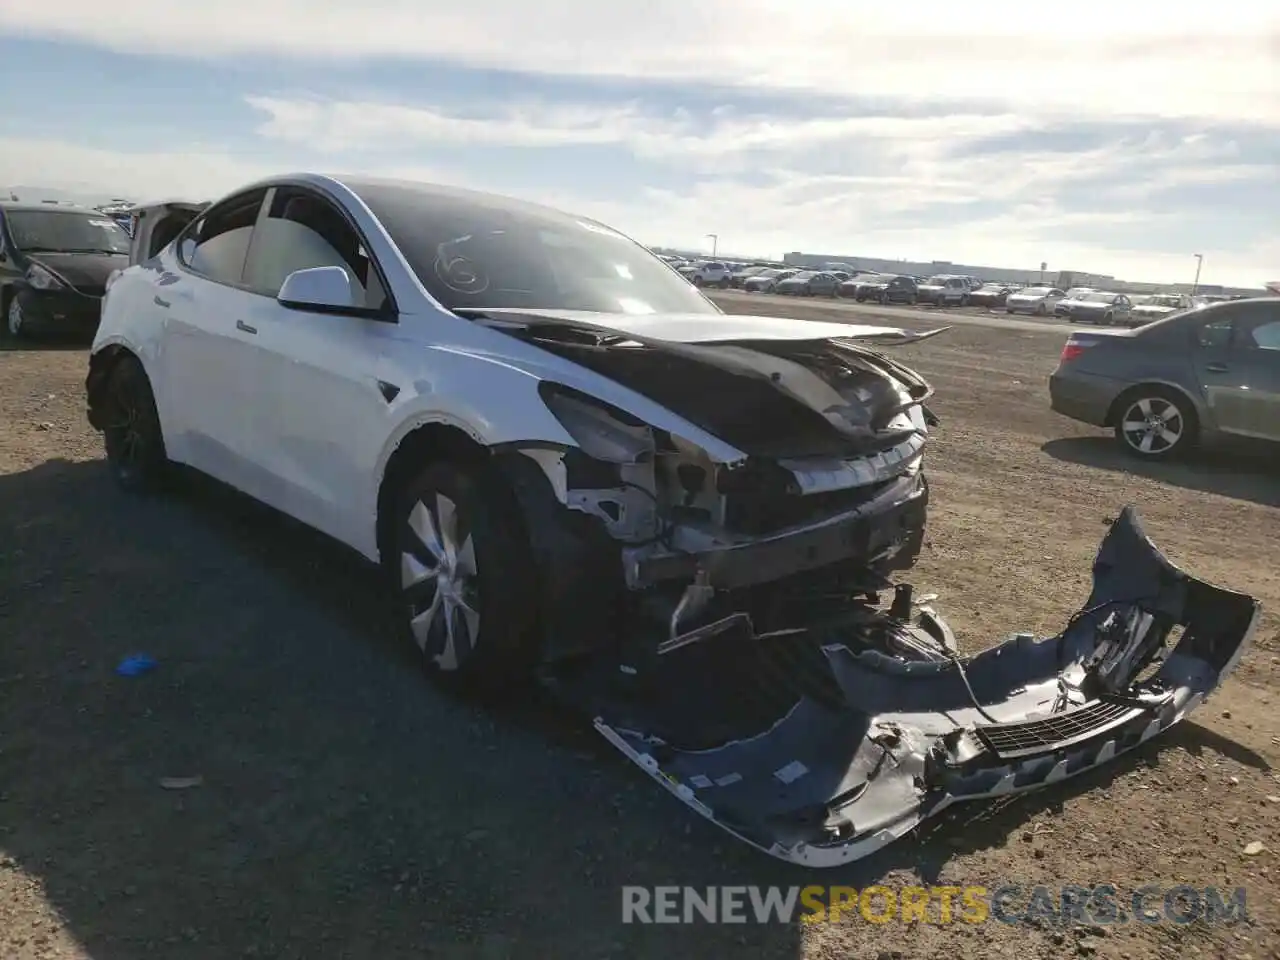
878,744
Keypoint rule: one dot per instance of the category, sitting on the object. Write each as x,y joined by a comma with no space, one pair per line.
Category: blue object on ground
135,665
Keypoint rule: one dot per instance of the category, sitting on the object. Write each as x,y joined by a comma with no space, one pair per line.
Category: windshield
1034,292
1097,297
65,231
1165,301
937,281
803,275
474,251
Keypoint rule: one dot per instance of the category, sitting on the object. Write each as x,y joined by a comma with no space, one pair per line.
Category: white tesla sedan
569,462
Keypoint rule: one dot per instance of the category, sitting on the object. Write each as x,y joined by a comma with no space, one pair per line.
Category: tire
457,526
1160,411
724,284
1041,310
1009,310
1108,320
14,324
133,436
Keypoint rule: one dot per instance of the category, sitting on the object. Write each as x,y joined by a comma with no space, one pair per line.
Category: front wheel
1041,310
15,322
133,437
465,577
1155,424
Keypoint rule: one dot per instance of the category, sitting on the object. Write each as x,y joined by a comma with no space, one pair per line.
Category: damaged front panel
850,746
721,619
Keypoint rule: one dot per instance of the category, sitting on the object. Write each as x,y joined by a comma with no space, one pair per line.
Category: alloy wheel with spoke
440,581
1153,425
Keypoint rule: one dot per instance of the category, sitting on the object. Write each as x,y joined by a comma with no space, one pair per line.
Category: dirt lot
348,810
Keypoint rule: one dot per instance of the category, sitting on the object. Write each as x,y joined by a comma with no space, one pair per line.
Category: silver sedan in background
1165,386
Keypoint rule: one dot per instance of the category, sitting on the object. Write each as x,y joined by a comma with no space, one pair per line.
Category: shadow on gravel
1241,471
345,808
43,345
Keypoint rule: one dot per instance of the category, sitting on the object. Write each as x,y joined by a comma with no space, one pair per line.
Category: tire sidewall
148,474
10,304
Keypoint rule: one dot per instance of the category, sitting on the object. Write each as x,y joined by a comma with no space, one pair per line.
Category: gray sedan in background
1189,377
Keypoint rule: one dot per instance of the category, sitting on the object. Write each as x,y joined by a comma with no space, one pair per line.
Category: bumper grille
1010,741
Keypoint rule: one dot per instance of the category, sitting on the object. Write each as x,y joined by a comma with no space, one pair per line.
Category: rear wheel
465,578
1041,310
1155,423
133,437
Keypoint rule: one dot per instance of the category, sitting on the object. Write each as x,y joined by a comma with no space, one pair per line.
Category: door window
216,245
1265,336
301,231
1215,335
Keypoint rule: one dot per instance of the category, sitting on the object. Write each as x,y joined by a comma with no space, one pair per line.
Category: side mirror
321,289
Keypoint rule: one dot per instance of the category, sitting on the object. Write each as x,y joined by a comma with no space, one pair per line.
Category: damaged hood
711,328
769,386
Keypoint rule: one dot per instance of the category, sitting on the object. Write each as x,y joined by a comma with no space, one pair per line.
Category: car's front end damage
730,622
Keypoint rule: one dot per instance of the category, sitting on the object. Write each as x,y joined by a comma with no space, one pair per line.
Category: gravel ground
347,809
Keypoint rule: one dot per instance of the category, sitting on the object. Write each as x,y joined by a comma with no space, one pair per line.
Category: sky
1108,137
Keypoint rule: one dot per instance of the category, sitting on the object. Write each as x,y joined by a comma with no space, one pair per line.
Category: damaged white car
574,467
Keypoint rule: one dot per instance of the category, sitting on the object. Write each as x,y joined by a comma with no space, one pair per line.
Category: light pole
1195,284
715,239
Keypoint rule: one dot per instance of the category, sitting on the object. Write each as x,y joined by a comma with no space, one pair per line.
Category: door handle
1216,367
241,325
161,303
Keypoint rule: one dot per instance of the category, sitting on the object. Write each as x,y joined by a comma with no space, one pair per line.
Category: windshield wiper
90,250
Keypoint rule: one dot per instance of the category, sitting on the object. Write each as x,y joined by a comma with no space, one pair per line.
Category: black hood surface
86,272
771,387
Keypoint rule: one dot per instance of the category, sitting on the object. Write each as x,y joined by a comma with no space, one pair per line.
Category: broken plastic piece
135,665
181,783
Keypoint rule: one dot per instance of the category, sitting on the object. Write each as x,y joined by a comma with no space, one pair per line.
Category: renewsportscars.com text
1007,903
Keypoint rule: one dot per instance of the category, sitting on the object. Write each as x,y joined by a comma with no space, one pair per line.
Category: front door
328,381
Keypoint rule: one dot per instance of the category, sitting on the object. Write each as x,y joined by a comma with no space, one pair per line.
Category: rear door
208,386
1236,353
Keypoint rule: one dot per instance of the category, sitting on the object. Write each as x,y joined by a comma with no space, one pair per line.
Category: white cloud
193,170
902,162
348,125
1099,59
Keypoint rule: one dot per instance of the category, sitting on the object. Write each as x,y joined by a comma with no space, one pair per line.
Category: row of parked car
1078,304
